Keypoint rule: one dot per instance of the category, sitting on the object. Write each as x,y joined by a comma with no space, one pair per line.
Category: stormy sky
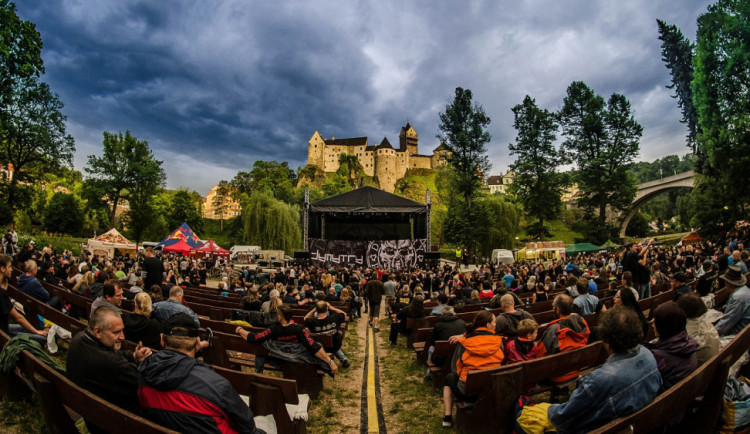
215,85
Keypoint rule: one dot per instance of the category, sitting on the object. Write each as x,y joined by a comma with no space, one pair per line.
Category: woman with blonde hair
83,285
141,325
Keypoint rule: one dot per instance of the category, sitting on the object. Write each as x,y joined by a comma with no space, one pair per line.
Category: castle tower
408,139
385,166
315,150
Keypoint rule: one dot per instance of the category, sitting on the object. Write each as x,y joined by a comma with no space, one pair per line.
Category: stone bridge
648,190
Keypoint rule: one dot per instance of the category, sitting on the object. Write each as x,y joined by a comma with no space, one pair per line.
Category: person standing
152,270
374,290
635,261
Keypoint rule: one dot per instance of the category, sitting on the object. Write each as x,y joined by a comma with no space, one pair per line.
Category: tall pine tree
677,55
536,182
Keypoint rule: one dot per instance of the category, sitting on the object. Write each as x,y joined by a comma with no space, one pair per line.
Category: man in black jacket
447,325
96,363
184,394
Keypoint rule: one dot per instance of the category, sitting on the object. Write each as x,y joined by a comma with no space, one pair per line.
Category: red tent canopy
179,247
211,248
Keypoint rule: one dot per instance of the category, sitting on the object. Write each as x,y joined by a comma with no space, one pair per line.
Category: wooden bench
498,389
231,351
268,395
63,402
708,380
445,350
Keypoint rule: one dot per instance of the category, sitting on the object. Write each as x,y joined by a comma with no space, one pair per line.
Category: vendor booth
111,244
210,248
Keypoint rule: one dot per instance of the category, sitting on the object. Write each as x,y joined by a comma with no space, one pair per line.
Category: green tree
677,55
501,225
271,223
32,128
603,141
536,183
149,178
63,215
115,172
463,131
722,99
223,193
184,208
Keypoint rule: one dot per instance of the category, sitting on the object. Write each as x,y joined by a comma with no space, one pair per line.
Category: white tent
106,244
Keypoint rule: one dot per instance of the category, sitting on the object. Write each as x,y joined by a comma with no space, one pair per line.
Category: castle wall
386,169
387,164
420,162
315,150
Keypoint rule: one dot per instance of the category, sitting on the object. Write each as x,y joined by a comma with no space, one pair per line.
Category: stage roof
367,200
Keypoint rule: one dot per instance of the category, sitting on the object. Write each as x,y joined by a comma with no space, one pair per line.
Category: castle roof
384,144
495,180
442,147
353,141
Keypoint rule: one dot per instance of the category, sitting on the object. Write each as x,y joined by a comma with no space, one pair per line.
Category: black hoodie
185,394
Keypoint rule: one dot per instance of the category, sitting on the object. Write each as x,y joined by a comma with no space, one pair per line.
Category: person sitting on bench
326,319
508,320
96,363
479,349
28,284
675,349
182,393
8,311
628,381
291,337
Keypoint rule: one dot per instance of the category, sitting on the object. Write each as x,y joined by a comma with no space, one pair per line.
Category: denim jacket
736,312
623,384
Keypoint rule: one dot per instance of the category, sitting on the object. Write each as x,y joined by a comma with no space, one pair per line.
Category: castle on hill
382,161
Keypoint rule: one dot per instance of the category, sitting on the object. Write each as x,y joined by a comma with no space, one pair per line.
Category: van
243,254
153,244
502,256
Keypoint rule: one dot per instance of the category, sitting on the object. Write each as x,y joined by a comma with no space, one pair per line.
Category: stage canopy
211,248
368,227
182,233
367,214
106,244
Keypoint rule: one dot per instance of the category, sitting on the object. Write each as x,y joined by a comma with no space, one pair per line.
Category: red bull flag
184,234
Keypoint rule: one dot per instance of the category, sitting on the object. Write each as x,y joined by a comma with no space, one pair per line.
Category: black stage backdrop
382,254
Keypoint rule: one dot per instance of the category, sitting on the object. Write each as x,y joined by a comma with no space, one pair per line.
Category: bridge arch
651,189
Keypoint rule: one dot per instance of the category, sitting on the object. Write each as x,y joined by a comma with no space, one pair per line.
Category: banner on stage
382,254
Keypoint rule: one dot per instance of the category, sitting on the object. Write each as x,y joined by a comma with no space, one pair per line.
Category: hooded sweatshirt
185,394
675,358
481,350
30,285
139,328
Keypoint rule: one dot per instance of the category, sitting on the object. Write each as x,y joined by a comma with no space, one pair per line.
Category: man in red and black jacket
182,393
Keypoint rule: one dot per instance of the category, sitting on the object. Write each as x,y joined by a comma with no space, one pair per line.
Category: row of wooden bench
228,350
273,403
498,389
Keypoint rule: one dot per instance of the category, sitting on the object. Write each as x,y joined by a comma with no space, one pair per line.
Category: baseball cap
181,324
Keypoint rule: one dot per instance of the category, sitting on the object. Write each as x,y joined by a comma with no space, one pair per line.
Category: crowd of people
163,322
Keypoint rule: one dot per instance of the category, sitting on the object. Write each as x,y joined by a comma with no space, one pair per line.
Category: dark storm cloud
216,85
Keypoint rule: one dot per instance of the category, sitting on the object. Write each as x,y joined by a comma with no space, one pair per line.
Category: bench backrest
535,370
712,374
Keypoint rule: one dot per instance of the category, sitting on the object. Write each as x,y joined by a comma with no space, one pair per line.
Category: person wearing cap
709,281
182,393
737,310
679,285
96,363
587,303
